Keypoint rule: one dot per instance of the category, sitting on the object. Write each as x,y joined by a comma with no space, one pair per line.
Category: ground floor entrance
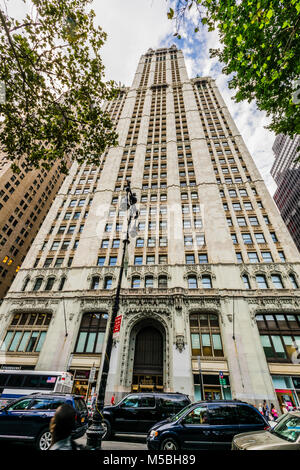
148,358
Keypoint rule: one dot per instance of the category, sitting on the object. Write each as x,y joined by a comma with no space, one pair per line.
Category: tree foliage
52,81
260,50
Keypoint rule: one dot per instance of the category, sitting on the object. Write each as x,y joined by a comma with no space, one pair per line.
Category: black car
138,412
206,425
27,419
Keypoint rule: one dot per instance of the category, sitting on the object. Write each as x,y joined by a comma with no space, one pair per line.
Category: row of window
279,334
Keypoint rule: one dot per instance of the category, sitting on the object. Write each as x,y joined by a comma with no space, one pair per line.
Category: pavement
121,442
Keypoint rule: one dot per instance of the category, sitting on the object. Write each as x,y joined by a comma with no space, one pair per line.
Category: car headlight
153,434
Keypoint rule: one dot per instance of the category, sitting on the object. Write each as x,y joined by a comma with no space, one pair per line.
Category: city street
121,442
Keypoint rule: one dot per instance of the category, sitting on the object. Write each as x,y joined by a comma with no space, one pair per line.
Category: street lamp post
96,430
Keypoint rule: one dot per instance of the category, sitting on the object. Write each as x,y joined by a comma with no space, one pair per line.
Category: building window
247,238
190,259
112,261
277,281
206,282
260,238
267,257
139,242
101,261
293,281
48,262
116,243
104,243
108,282
91,333
25,284
149,281
192,282
280,336
162,282
239,257
136,282
138,260
37,283
205,335
202,258
26,332
253,258
246,281
95,282
261,281
58,262
62,283
50,283
281,256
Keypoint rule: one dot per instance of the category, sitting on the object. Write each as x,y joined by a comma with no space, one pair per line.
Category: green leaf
170,13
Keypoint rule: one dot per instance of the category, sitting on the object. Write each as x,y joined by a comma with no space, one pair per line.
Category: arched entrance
148,358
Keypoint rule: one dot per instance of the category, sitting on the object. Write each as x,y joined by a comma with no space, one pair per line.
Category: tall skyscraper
211,279
25,199
286,172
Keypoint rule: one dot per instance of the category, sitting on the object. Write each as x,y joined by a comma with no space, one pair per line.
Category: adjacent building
286,172
25,199
211,284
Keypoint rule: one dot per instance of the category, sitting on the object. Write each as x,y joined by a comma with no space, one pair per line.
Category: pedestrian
260,409
61,427
112,401
284,409
266,410
274,412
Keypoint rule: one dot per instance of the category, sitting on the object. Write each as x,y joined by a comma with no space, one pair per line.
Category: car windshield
179,414
288,428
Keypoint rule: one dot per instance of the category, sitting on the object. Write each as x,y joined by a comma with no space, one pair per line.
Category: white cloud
133,27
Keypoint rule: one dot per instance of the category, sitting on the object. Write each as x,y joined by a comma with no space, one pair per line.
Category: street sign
117,325
92,374
222,379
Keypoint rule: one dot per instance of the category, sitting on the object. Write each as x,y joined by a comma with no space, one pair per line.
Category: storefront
208,387
84,383
287,389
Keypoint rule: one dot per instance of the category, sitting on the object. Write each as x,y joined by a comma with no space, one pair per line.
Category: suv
138,412
206,425
27,419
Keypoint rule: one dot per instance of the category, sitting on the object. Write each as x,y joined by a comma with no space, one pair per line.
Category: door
249,419
148,413
224,424
16,419
127,414
148,358
194,431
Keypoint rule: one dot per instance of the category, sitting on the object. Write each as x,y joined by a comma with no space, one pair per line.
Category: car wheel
169,444
43,441
107,430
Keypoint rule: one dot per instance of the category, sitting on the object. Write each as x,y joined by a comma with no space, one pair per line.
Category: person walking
112,401
274,412
61,427
266,410
260,409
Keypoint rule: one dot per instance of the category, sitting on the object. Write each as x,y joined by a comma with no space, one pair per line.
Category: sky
134,26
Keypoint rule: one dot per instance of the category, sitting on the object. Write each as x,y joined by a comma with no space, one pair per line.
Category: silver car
285,435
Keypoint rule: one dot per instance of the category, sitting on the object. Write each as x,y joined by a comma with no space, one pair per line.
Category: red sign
117,325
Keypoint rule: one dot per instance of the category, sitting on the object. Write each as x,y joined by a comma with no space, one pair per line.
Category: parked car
138,412
285,435
206,425
27,419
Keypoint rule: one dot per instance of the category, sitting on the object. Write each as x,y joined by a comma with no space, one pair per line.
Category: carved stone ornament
180,343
